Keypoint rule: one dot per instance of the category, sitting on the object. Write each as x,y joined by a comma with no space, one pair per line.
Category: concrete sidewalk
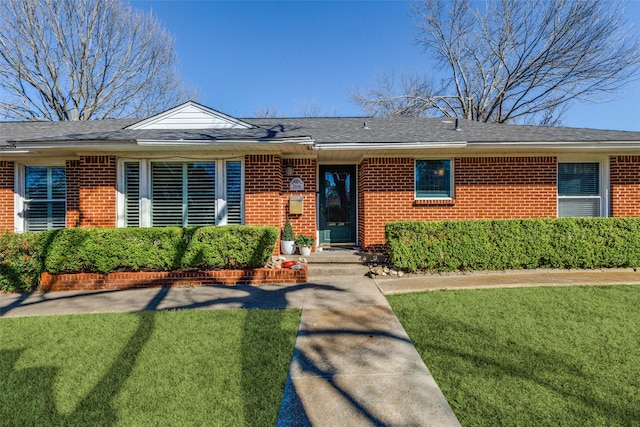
506,279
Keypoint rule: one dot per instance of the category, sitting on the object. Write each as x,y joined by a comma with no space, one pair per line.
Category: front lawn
531,356
152,368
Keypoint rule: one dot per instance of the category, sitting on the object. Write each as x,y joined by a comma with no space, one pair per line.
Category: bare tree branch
84,59
512,60
267,112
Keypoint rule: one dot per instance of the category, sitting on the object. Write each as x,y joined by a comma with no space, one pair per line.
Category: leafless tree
308,108
519,61
267,112
312,108
84,59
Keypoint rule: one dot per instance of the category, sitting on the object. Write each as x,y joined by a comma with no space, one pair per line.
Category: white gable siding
191,116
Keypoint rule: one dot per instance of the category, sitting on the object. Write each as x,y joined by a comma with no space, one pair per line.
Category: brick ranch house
339,179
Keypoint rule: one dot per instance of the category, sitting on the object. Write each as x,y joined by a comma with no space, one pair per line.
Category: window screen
579,189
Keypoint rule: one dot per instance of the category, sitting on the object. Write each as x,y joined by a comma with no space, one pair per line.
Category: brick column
6,196
91,192
262,190
625,186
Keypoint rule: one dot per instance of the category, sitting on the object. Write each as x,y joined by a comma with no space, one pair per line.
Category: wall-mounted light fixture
288,168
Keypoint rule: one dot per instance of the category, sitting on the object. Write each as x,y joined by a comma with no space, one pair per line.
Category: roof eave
554,144
225,142
386,146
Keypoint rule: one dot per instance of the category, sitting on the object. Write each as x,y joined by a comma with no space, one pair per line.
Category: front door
337,220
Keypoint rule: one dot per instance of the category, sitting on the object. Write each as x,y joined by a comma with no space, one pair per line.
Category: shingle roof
387,130
23,131
408,129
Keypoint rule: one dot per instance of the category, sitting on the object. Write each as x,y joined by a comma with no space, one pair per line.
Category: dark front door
337,205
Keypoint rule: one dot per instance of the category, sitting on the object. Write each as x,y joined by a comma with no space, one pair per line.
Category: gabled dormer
191,115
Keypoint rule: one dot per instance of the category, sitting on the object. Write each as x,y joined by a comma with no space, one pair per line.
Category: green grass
531,356
154,368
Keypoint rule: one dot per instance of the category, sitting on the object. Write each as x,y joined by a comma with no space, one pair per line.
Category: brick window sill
434,202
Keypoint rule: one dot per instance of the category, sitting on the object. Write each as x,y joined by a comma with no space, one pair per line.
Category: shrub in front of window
231,247
20,261
105,250
433,179
584,243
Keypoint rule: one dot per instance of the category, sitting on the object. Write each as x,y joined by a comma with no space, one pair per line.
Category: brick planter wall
123,280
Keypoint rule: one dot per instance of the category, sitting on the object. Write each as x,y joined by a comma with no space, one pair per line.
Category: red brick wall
624,180
91,192
6,196
262,190
305,223
266,193
74,176
485,187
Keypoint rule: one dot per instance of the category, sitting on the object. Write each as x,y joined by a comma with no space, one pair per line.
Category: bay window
176,193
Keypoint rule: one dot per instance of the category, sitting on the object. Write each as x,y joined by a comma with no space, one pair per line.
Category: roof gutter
208,142
557,144
387,146
49,146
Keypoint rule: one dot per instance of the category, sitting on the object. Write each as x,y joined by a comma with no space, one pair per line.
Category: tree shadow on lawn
499,360
32,394
33,387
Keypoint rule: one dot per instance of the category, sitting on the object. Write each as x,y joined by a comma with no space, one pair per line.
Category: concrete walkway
354,365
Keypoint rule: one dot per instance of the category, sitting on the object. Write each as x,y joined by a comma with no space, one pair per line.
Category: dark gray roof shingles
382,130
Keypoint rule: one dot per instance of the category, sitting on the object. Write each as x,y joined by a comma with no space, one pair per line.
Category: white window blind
234,193
45,198
132,194
182,194
201,191
579,189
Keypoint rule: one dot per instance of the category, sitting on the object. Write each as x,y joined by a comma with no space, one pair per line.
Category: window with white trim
156,193
579,189
45,198
132,194
433,179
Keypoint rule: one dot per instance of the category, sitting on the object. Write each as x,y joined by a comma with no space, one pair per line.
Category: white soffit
191,115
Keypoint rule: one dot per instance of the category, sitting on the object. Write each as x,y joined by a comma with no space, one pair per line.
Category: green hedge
20,261
76,250
514,244
159,249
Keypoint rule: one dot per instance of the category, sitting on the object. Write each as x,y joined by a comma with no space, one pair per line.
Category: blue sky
244,56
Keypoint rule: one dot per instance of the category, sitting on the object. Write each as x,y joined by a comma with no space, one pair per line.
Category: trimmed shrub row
83,250
20,261
514,244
